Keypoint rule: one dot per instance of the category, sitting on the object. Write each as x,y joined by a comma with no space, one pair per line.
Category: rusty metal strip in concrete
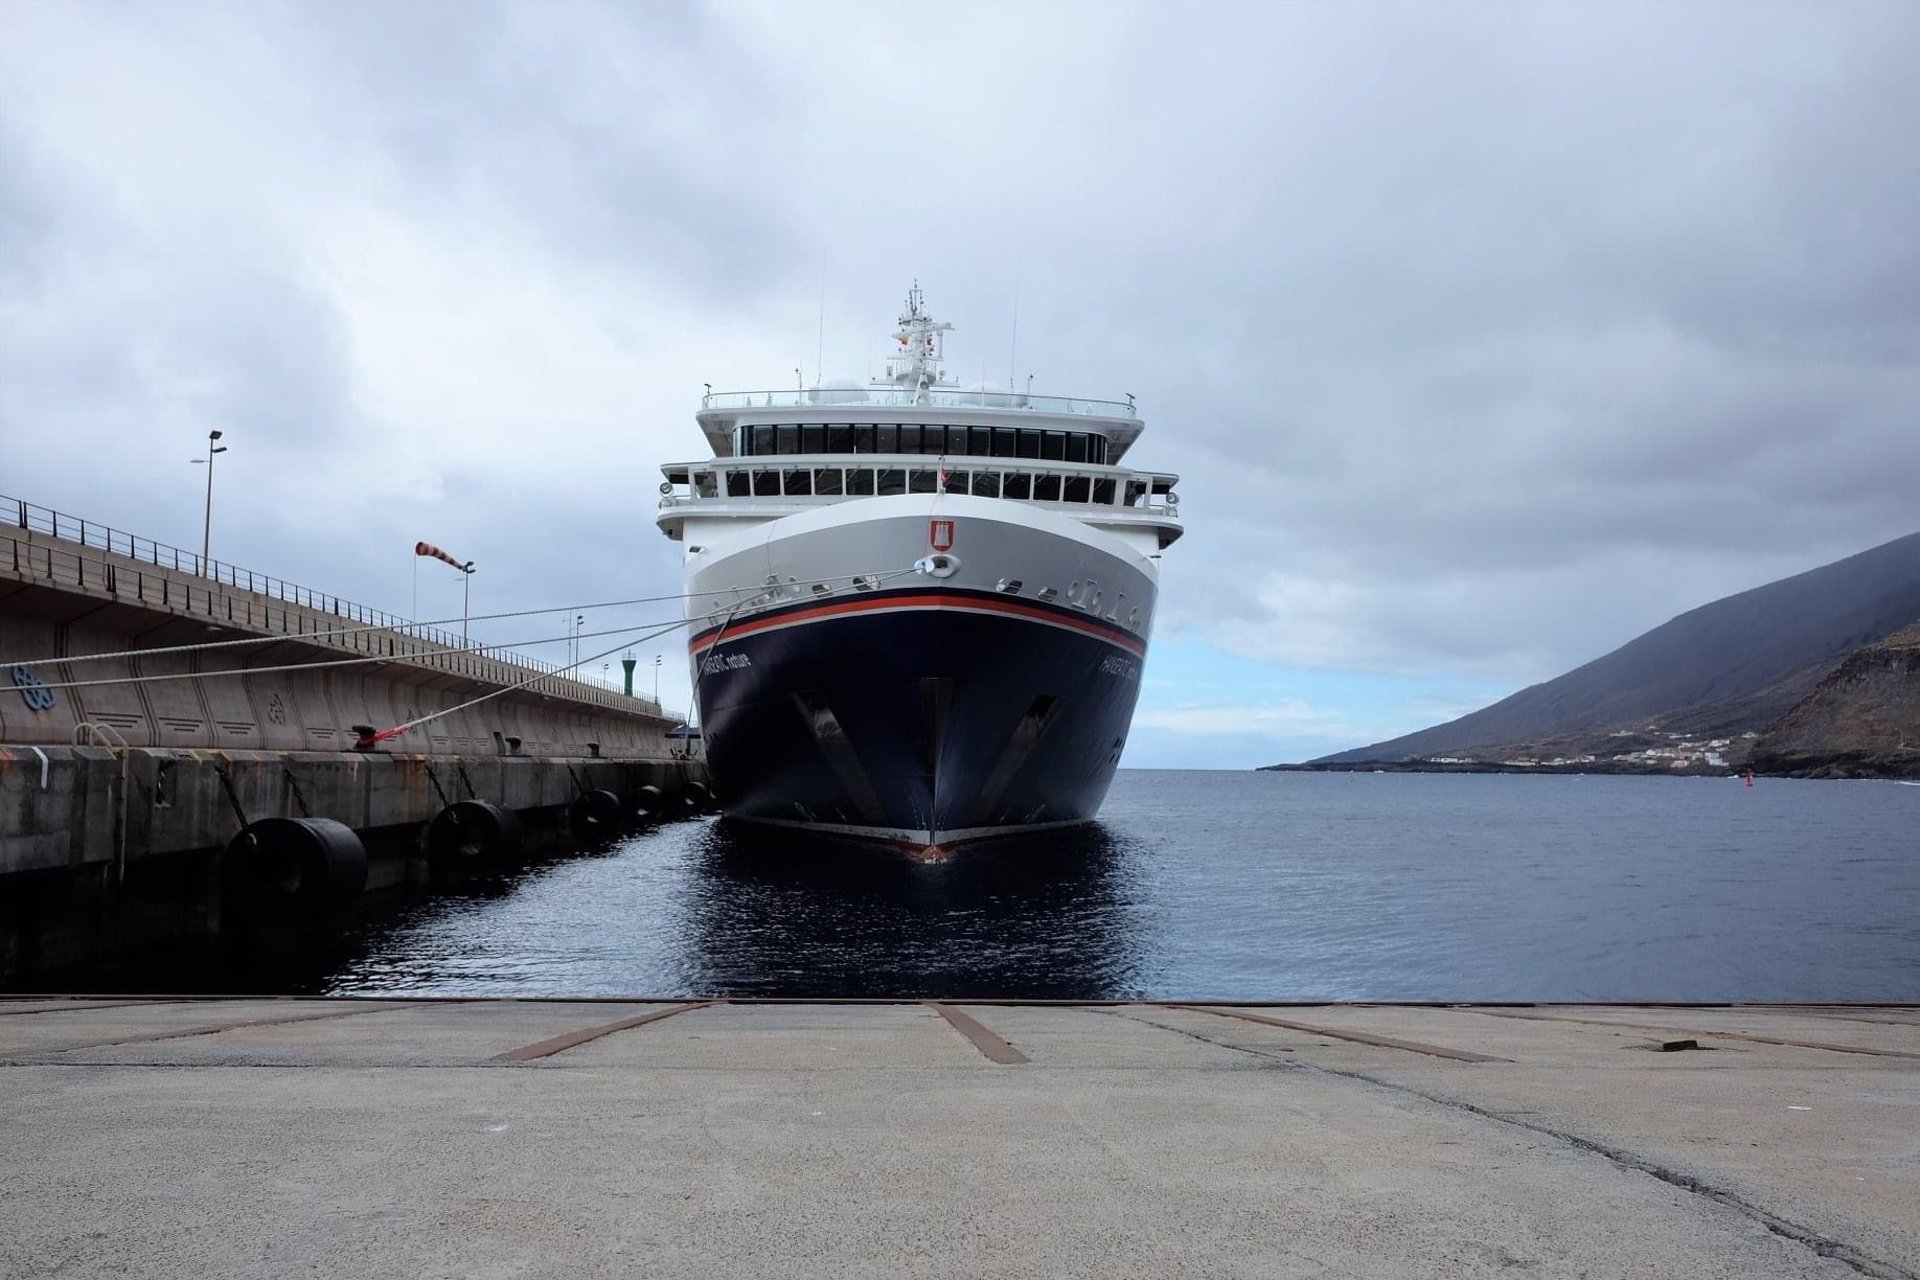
1857,1016
990,1045
72,1006
568,1040
1358,1037
211,1029
1696,1032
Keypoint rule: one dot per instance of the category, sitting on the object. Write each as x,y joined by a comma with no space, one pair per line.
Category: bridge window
703,484
1076,489
1053,446
840,437
1046,488
860,483
887,439
813,438
787,438
920,480
1077,447
739,484
1017,485
826,482
891,480
1029,444
766,483
1005,442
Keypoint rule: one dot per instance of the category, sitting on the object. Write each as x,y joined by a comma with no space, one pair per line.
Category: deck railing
942,397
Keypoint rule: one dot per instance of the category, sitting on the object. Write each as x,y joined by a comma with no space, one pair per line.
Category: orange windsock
428,549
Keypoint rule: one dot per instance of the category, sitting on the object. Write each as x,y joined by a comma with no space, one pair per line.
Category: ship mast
915,362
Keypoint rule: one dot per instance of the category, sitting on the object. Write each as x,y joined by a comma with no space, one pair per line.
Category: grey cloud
1485,336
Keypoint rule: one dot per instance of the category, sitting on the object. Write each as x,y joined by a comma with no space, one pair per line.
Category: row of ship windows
882,437
863,482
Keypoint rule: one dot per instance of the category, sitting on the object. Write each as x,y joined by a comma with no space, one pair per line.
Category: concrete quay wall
64,599
106,855
122,804
70,808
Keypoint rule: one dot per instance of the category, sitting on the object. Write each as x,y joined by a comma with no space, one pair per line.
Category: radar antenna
918,354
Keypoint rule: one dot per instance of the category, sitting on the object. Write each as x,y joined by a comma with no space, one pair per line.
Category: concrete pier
128,808
546,1138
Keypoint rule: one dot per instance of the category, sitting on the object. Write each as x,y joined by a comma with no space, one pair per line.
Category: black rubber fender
596,815
471,835
287,869
699,799
648,803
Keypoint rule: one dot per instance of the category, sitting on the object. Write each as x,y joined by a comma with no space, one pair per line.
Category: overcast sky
1485,337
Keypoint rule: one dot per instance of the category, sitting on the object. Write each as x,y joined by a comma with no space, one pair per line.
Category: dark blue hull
915,717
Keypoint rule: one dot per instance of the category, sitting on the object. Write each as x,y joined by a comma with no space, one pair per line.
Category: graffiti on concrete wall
33,690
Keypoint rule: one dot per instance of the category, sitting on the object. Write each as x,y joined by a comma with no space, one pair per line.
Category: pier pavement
248,1138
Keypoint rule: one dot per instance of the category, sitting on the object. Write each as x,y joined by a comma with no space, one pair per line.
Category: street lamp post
206,529
656,682
466,596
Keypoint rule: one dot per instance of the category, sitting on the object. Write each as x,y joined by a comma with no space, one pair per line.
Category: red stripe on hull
935,601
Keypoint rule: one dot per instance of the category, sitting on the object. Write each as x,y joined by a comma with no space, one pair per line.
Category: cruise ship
918,612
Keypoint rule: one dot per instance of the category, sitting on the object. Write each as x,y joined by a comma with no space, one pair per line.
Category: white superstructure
824,512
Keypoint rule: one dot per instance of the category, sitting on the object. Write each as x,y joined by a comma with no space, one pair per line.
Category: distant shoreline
1426,766
1825,771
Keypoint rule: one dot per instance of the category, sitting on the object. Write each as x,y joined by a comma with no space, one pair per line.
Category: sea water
1257,886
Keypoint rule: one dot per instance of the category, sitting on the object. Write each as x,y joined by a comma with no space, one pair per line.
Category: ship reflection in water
721,908
1044,916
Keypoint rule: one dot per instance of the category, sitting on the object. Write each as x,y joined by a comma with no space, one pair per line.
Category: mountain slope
1862,721
1726,667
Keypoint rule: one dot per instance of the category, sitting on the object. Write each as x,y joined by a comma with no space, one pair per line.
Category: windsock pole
466,586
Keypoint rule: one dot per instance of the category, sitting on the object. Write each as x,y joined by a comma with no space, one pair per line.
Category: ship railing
944,397
830,478
70,568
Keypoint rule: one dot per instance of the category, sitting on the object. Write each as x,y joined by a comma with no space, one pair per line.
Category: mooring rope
360,660
772,590
406,629
374,739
